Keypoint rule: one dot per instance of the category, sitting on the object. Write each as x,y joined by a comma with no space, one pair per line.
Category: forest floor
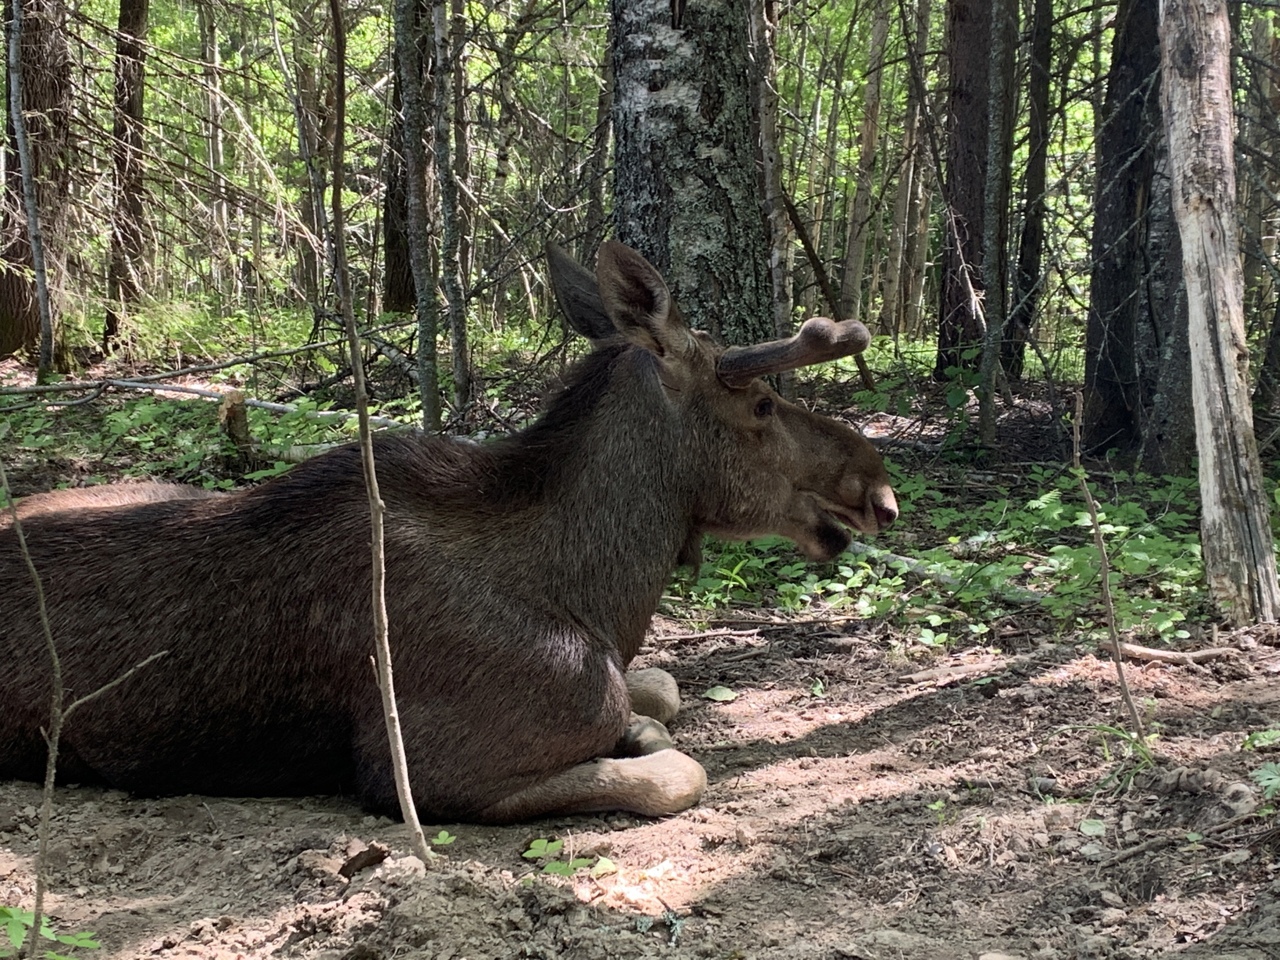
874,815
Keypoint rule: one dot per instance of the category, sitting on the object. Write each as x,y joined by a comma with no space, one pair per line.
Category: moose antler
819,339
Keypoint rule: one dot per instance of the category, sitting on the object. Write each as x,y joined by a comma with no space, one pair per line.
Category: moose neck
611,521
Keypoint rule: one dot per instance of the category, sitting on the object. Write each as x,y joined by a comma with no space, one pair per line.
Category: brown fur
521,576
93,498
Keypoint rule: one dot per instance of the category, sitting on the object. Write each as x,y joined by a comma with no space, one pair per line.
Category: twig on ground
955,671
207,395
1177,837
1150,654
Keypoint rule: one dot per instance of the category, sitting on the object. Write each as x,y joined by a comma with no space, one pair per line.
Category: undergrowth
953,567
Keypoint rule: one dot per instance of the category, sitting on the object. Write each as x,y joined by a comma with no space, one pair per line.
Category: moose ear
638,301
578,295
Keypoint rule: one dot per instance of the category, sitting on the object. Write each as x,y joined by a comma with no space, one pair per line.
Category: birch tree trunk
687,194
1239,557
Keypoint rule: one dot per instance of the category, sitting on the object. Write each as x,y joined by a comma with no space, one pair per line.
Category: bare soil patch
850,815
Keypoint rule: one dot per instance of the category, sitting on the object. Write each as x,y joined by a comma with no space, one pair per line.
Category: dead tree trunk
1239,557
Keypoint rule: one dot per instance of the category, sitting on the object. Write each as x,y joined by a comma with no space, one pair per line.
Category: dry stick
58,715
212,395
1105,568
399,764
1180,657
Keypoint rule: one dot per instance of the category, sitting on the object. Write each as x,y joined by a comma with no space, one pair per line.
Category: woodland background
904,164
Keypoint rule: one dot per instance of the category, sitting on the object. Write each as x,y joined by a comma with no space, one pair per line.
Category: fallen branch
1152,655
1177,836
955,671
934,572
208,395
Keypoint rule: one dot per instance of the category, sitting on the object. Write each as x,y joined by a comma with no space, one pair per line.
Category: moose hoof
643,737
671,782
654,693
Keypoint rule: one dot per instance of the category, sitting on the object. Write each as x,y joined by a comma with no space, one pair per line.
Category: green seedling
17,925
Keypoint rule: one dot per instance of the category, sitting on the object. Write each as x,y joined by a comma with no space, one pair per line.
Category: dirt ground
870,816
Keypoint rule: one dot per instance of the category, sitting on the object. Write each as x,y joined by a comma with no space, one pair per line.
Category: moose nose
886,511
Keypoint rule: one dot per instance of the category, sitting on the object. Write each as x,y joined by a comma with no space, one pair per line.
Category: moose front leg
661,783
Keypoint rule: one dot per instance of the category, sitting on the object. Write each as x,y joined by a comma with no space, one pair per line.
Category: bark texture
1130,125
687,194
46,99
1239,556
124,269
960,320
1028,281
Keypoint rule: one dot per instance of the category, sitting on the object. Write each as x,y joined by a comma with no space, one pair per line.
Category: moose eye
764,407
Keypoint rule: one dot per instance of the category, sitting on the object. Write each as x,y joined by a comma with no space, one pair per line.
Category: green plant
443,839
1260,739
1267,777
17,927
547,852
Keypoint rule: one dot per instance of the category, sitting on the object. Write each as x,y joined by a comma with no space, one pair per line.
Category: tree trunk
960,324
1028,282
46,99
915,253
1125,161
210,52
407,24
446,100
124,269
687,195
868,141
1161,347
1239,555
764,28
397,276
995,213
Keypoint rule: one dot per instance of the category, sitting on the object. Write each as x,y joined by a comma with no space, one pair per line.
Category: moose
522,574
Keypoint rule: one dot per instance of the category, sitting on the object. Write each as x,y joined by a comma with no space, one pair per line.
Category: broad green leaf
720,694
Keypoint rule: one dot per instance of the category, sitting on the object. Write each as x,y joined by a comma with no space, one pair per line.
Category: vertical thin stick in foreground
382,641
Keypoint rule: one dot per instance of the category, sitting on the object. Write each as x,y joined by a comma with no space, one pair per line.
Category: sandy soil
853,814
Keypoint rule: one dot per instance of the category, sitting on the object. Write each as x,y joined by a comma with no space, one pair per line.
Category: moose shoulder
521,576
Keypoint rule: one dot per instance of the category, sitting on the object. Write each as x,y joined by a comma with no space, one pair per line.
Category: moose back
521,576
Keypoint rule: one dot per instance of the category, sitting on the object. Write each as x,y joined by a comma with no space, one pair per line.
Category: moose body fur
521,577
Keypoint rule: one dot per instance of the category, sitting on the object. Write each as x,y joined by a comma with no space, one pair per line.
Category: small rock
1000,956
1112,899
1093,852
1111,916
1044,787
403,870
